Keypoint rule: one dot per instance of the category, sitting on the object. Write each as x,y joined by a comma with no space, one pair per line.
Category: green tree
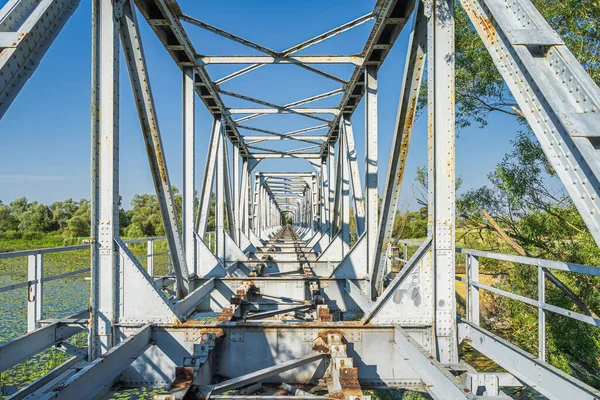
8,222
145,218
79,226
480,90
37,218
62,212
19,206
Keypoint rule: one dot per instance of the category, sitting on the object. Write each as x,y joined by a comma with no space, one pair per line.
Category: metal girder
271,313
97,377
173,37
267,372
209,175
333,111
225,34
344,191
299,103
393,286
557,97
220,196
440,383
407,108
271,174
331,175
308,156
371,166
104,208
254,46
292,151
40,383
236,193
337,195
120,299
305,139
391,16
283,109
231,221
142,93
27,29
324,195
205,60
303,45
189,170
547,380
20,349
244,199
187,305
356,294
442,173
354,176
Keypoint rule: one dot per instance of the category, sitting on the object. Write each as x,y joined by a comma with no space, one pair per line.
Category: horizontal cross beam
206,60
333,111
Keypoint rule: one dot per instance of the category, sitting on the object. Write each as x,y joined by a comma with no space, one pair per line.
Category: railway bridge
284,295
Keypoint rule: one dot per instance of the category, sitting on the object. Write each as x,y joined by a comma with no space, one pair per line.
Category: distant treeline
22,219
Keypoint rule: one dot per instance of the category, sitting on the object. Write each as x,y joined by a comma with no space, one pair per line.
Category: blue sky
45,154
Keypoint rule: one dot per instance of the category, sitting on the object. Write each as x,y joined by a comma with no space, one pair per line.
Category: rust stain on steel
410,119
349,381
324,334
487,27
159,157
183,378
226,315
324,315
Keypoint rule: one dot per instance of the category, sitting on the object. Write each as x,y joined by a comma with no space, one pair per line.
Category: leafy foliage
525,198
69,218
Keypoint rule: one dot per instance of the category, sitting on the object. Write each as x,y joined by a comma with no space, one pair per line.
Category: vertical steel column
541,314
357,195
473,291
337,198
441,124
263,211
209,175
248,208
228,196
332,184
189,170
35,292
256,199
150,258
371,165
236,193
267,209
243,199
261,208
345,192
104,177
220,196
324,195
315,204
142,93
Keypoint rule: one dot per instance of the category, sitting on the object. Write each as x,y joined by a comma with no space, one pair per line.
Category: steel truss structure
301,305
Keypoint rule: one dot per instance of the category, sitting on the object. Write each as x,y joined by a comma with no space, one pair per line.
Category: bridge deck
293,292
